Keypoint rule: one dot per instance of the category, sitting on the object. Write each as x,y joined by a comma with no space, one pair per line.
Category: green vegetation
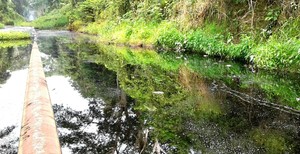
274,54
12,43
8,13
1,25
186,114
243,30
54,20
14,36
273,141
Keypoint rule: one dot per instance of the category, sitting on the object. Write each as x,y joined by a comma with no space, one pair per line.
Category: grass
51,22
276,54
127,32
213,36
14,36
1,25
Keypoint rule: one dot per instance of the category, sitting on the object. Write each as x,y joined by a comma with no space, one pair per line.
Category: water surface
117,100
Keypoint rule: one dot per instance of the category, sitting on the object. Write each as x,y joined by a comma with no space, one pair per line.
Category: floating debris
158,92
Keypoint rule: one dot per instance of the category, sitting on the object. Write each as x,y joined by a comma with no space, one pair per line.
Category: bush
9,23
76,25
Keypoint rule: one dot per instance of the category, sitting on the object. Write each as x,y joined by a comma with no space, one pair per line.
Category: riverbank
265,36
275,53
10,35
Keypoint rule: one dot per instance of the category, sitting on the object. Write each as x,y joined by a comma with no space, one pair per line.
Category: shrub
9,23
76,25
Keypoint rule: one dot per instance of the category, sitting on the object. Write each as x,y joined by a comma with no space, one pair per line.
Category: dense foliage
260,32
8,12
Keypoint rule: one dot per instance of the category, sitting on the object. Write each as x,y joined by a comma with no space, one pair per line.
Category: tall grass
276,54
127,32
51,22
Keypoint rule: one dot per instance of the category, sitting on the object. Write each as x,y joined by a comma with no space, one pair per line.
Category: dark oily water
14,62
109,100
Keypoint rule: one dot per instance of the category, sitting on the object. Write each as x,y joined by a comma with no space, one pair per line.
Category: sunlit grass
14,35
127,32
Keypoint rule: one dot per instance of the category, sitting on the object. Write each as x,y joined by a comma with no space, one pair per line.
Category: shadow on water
139,101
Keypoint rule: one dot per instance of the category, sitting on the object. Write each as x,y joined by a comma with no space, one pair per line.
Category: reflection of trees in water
5,63
110,124
179,121
105,127
7,144
12,58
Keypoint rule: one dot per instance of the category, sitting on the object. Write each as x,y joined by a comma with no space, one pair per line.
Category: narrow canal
110,99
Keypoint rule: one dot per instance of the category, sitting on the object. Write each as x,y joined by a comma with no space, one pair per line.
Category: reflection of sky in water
62,93
11,103
12,98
